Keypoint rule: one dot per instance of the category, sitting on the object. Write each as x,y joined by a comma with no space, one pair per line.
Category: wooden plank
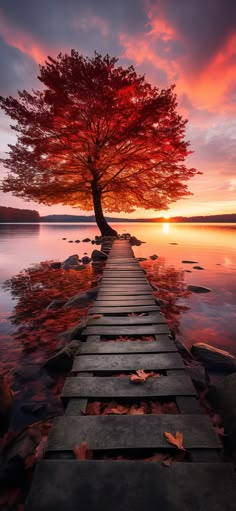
163,344
156,319
108,387
126,329
152,362
128,286
124,303
113,273
131,432
108,309
126,486
112,294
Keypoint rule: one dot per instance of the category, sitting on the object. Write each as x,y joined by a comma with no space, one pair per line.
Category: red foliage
38,328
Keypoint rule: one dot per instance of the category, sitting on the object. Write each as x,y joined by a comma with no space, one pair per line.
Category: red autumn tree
96,137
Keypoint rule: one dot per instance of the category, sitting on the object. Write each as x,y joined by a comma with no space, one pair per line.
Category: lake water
211,317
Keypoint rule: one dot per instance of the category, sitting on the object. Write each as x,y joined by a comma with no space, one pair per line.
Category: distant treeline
18,215
27,215
78,218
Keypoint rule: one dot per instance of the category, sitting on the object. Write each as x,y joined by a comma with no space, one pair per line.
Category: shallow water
211,317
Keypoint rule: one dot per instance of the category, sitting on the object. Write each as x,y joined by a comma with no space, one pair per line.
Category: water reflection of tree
34,289
170,287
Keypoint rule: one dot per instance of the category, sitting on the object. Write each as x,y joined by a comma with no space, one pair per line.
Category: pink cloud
23,42
209,87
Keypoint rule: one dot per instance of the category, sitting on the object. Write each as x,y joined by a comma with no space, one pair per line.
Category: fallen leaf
119,410
97,316
176,440
139,377
82,452
135,410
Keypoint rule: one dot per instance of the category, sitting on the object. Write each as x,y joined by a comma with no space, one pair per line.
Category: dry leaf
139,377
135,410
82,452
119,410
176,440
97,316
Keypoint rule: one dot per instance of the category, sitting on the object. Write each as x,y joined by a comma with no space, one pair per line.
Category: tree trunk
102,224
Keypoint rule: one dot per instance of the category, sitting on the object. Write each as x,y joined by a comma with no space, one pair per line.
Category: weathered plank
111,293
163,344
125,303
126,329
152,362
108,387
127,486
127,320
131,432
108,309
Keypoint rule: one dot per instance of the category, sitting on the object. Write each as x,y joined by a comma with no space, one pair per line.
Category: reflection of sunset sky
189,43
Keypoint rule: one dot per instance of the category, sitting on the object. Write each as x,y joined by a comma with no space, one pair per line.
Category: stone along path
61,482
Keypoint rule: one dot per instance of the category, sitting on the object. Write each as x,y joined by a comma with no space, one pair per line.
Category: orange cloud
208,88
23,42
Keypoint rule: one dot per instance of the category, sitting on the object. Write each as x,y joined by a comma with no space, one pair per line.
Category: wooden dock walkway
63,483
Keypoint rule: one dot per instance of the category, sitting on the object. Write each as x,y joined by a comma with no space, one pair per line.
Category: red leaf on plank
139,377
176,440
82,452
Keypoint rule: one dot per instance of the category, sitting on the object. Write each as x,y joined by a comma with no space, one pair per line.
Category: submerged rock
134,241
97,255
82,298
63,360
75,331
86,259
223,398
186,261
198,268
198,289
154,257
56,304
55,265
213,358
86,240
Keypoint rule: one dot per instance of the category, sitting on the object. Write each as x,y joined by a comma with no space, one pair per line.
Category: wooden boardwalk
203,483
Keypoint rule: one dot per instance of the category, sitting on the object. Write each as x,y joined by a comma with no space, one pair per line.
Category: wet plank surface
126,329
127,320
108,432
127,486
128,362
163,343
122,387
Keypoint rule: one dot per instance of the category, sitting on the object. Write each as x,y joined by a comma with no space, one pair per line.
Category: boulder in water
55,265
213,358
186,261
63,360
198,289
97,255
154,257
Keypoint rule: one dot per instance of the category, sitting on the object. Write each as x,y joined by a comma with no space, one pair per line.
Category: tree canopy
97,136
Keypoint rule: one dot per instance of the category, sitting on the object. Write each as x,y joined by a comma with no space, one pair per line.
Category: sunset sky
191,43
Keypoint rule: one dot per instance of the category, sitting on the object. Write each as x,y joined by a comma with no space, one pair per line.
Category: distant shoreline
123,222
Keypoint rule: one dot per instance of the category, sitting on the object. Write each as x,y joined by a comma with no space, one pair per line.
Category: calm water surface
211,317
